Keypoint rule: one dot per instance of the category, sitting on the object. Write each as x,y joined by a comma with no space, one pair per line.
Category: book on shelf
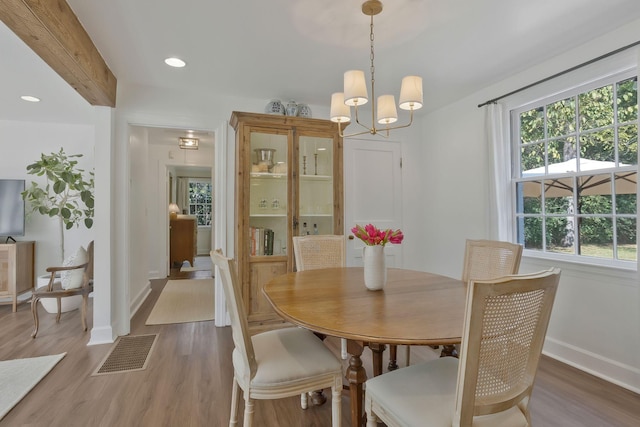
261,241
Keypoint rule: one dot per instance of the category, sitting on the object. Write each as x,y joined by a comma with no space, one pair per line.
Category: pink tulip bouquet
372,235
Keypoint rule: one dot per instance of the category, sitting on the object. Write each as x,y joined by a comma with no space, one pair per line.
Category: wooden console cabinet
182,240
17,271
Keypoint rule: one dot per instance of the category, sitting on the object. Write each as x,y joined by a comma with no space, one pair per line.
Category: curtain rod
568,70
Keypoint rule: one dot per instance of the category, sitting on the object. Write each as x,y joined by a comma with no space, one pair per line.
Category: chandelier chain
372,55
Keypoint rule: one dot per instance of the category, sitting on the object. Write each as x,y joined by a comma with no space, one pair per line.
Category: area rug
129,353
181,301
199,264
19,376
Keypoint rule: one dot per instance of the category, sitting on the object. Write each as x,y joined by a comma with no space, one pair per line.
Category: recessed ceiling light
175,62
30,98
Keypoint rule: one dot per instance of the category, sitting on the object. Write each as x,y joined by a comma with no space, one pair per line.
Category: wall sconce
188,143
174,210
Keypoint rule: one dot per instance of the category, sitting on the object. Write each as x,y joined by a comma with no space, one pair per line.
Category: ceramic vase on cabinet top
375,268
291,108
274,107
304,111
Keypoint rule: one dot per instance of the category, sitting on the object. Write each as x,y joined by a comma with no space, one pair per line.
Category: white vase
375,268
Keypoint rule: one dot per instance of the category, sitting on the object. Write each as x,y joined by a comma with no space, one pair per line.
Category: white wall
22,144
140,197
596,316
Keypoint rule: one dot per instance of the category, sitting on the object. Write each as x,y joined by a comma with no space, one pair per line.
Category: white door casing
373,193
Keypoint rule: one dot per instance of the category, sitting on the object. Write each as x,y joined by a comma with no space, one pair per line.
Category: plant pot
375,268
51,305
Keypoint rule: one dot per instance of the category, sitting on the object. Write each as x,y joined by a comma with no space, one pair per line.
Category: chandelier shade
411,93
383,109
340,112
355,88
387,112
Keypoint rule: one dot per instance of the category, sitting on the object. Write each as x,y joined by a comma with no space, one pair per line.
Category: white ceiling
299,49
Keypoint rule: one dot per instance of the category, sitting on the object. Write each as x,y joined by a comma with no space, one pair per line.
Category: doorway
191,230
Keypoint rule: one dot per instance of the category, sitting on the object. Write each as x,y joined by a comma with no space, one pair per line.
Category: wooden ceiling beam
52,30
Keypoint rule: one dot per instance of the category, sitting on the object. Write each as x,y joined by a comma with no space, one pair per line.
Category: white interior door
373,193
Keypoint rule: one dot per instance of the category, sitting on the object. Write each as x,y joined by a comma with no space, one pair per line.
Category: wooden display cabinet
288,173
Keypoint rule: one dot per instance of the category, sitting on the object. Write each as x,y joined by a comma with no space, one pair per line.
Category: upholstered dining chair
274,364
78,281
320,251
490,385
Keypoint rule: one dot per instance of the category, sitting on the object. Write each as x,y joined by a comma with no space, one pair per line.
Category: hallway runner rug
19,376
183,301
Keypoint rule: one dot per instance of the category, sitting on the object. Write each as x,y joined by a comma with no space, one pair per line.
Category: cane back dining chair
487,259
82,274
490,385
320,251
274,364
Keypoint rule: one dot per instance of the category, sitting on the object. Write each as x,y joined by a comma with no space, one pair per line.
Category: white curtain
182,193
500,175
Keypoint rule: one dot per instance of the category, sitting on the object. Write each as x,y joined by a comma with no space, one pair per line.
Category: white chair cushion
419,395
424,395
73,279
287,356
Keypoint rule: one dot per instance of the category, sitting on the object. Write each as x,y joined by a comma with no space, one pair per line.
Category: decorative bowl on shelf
265,157
280,167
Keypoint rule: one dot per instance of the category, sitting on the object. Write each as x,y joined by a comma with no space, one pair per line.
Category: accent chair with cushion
490,385
275,364
66,281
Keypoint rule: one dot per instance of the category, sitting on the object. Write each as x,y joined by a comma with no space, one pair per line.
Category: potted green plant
67,194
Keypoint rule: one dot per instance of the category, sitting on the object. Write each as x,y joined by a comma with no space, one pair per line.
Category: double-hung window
575,172
200,200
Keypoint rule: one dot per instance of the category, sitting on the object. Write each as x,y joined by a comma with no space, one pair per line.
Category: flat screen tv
11,208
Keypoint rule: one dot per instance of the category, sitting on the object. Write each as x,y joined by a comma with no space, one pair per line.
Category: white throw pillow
73,278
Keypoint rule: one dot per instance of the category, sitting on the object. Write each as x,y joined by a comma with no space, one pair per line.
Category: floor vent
129,353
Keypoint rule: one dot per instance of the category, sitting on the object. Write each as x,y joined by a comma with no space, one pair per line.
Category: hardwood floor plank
189,375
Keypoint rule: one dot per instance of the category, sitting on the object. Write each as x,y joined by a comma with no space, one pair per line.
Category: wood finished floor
188,380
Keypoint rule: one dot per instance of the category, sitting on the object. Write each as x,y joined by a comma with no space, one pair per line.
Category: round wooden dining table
414,308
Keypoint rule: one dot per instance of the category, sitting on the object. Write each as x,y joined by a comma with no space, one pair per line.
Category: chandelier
355,94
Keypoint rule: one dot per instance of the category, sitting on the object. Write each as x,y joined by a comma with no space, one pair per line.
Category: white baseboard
609,370
140,298
102,335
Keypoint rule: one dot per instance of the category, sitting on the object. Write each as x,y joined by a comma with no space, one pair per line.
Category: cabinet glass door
315,185
268,194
